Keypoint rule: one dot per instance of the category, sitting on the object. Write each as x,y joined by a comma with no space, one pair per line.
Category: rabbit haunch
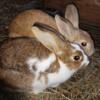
52,79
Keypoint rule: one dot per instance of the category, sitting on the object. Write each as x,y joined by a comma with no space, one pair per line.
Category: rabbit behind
32,65
22,23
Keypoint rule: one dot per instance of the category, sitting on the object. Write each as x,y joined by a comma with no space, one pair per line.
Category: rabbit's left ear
47,38
71,13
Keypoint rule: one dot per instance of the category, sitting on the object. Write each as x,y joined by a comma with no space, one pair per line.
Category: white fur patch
45,63
54,79
41,65
61,76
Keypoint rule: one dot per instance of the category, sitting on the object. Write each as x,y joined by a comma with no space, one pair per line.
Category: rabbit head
69,27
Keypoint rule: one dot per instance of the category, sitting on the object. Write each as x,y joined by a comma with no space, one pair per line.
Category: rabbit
35,64
22,23
71,30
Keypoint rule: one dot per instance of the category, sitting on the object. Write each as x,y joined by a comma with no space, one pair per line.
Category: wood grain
89,10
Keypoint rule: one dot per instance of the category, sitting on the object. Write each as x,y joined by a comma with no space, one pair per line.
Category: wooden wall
89,9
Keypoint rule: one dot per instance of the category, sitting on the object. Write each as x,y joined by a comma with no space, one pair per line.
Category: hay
84,85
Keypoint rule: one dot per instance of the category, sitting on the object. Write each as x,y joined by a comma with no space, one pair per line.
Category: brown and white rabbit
32,65
21,26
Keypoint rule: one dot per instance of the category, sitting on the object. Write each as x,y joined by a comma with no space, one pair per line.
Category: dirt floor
85,85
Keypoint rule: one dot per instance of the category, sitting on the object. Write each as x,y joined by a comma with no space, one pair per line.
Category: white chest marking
41,65
54,79
59,77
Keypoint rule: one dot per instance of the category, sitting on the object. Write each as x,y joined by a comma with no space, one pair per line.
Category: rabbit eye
84,44
76,58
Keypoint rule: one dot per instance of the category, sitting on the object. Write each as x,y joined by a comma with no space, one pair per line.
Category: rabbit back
22,23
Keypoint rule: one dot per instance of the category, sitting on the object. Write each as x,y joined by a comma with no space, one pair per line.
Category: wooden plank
57,4
89,10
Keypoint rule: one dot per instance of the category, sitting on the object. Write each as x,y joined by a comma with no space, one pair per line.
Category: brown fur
74,34
66,58
13,79
14,72
71,13
14,53
22,24
54,67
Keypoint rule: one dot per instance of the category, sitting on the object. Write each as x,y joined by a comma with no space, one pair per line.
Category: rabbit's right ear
46,38
65,27
71,13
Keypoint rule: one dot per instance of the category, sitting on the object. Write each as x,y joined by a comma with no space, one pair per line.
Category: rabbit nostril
76,58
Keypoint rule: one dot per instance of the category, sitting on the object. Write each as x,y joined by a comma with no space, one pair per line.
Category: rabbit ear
71,13
47,38
64,26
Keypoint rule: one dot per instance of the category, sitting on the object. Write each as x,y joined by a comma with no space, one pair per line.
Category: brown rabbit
32,65
21,26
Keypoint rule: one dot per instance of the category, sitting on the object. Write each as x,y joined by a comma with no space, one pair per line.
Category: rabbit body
27,65
69,27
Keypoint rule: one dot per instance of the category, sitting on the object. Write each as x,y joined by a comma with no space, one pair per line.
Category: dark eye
84,44
76,58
